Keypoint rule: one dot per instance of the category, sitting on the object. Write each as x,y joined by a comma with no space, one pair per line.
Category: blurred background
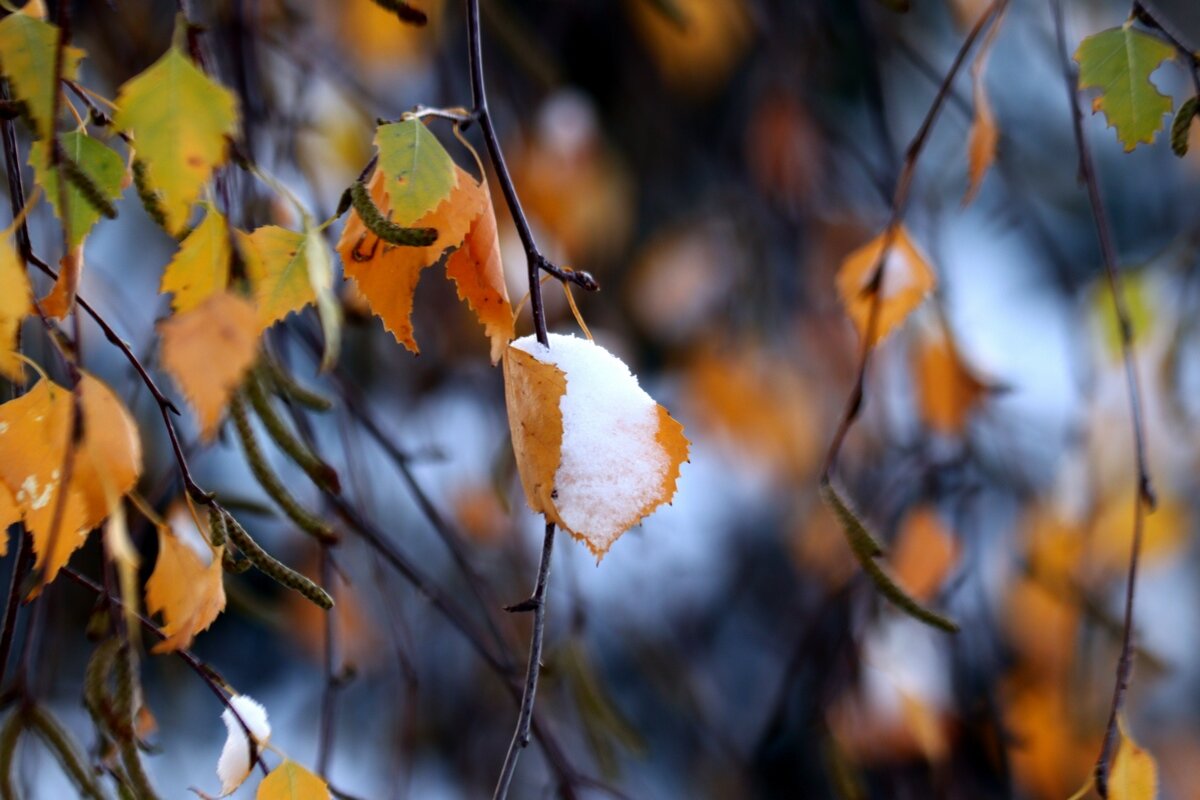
711,162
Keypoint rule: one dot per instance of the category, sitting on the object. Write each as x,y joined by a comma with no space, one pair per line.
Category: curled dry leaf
595,453
35,433
208,351
186,587
234,765
907,279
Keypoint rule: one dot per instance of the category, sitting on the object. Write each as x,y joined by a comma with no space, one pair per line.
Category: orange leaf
925,553
61,299
16,301
387,274
981,142
907,279
10,513
188,592
478,273
35,431
947,390
595,453
208,350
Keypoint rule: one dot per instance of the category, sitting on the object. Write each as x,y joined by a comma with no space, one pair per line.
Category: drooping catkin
96,697
60,743
275,376
147,195
131,757
271,484
321,473
269,565
384,228
77,177
866,550
10,734
216,528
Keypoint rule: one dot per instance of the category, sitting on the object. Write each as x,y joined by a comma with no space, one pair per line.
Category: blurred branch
1144,498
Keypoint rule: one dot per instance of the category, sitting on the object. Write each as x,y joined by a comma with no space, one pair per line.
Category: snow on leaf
1119,62
28,51
208,350
616,453
1134,774
186,588
201,267
277,265
907,279
418,172
387,274
290,781
100,163
16,301
234,765
33,448
179,118
478,272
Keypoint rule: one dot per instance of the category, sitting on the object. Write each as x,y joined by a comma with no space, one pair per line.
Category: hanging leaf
947,389
234,765
186,587
28,52
179,118
208,351
35,431
16,302
907,279
596,454
102,167
925,553
984,135
1134,774
477,271
1119,62
61,300
201,267
418,172
387,274
329,308
1182,126
290,781
277,266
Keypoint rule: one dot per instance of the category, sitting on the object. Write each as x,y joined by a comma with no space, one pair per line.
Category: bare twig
1143,490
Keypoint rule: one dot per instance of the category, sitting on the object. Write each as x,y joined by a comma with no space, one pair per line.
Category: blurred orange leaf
947,389
1134,774
925,553
61,299
208,350
907,279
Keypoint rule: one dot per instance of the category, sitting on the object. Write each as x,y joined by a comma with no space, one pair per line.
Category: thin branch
900,196
536,603
1143,490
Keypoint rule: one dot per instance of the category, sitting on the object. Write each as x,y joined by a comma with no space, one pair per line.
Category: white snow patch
611,463
233,766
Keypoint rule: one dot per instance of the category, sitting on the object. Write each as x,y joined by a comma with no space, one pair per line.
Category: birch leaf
418,172
277,265
180,118
290,781
102,166
477,271
186,587
16,302
1134,774
907,279
201,267
1119,62
28,51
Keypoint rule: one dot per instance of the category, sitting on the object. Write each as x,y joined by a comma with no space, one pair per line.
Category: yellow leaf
947,389
277,265
187,591
907,279
61,300
201,267
290,781
1134,774
478,273
28,52
35,433
16,301
179,118
208,351
387,274
595,453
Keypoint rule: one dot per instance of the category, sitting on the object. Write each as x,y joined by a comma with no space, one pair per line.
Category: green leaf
201,267
28,48
102,166
1182,125
277,264
329,310
290,781
418,172
1119,62
179,118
